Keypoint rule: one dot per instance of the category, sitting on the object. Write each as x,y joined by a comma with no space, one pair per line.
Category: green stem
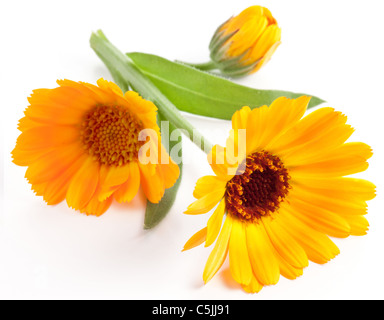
206,66
123,69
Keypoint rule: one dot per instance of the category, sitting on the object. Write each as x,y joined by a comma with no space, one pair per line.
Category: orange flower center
260,189
110,135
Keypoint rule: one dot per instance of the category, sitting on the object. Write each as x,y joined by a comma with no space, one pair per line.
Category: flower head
286,194
82,143
244,43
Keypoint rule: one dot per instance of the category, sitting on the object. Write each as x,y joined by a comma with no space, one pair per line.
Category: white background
332,49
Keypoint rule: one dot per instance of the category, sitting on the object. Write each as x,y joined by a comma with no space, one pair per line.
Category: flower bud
244,43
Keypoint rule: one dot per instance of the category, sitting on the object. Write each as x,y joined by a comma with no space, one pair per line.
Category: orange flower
81,143
243,44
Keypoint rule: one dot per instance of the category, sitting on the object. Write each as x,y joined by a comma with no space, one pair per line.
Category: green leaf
203,93
155,212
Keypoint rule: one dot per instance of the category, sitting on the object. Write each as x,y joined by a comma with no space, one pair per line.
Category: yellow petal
253,287
321,130
219,252
282,115
319,218
240,118
262,62
333,204
346,189
206,203
264,263
256,126
270,36
217,158
318,247
235,23
359,225
215,222
348,159
247,36
240,265
197,239
286,246
206,184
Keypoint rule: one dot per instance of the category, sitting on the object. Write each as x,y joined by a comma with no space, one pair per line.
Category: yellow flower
289,194
81,143
244,43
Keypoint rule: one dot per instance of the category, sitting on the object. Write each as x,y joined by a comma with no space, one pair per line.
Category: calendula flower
244,43
81,143
289,194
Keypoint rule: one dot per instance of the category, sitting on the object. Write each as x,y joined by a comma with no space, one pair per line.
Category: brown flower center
110,135
260,189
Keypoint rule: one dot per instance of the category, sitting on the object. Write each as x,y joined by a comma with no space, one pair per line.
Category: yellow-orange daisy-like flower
244,43
288,194
81,143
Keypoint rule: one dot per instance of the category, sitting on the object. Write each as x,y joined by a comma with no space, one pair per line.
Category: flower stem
124,71
206,66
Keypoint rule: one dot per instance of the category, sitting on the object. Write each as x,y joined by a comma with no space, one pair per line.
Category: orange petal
152,183
52,164
47,137
128,190
96,207
170,172
83,185
114,177
56,189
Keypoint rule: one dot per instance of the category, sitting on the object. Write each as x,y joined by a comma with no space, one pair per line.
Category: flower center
260,189
110,135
